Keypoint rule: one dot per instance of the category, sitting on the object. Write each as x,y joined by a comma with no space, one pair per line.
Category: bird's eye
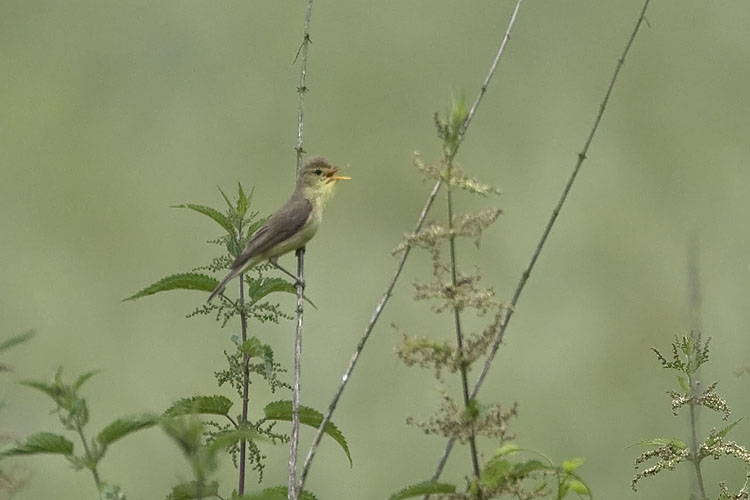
318,171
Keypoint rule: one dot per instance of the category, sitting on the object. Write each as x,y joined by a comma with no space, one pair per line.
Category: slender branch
490,74
294,489
527,272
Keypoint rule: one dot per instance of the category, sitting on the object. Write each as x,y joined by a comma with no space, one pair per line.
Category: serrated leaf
193,490
40,443
16,339
212,213
226,198
661,442
183,281
259,288
242,202
423,488
49,389
204,405
124,426
723,432
83,378
226,438
572,464
282,410
274,493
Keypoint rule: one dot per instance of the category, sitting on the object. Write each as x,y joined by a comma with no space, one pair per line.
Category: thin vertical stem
245,386
459,332
294,489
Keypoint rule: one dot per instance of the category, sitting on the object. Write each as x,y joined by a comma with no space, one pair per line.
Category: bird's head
318,178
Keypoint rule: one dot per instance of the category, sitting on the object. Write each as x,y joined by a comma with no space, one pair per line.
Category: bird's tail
223,284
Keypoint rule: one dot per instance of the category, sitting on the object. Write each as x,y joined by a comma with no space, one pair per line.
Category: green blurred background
113,111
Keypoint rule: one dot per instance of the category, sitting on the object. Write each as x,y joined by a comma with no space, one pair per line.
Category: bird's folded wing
279,227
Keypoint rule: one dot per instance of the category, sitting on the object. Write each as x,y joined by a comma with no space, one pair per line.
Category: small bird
292,226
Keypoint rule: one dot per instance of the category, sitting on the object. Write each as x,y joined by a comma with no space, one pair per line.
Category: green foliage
423,488
124,426
689,353
282,410
182,281
72,410
16,340
193,490
41,443
503,473
205,405
274,493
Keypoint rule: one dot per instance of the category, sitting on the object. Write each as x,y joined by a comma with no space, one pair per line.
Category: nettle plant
203,427
458,293
689,354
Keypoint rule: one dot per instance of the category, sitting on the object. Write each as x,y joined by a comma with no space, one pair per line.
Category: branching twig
547,230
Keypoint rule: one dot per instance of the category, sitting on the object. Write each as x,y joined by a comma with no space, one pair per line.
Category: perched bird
292,226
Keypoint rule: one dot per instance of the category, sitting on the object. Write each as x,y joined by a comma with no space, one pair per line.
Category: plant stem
694,407
294,489
245,386
459,333
91,466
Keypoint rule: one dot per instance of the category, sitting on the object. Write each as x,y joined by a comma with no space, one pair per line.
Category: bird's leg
296,279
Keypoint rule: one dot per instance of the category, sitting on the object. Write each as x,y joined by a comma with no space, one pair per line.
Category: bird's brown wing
285,222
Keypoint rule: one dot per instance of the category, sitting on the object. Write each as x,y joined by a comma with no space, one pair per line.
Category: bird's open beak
331,177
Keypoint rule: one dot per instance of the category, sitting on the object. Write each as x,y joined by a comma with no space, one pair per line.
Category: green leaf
579,487
729,427
194,489
83,378
242,201
684,384
659,441
423,488
226,198
261,287
506,449
42,442
572,464
50,390
204,405
226,438
16,339
124,426
183,281
214,214
274,493
282,410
